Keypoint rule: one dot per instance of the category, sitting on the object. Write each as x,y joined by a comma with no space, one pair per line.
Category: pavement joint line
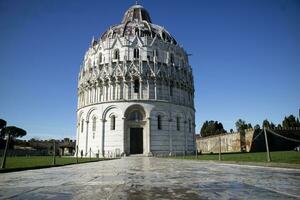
280,192
249,164
259,166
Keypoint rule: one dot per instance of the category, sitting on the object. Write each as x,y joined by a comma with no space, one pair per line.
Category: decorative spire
94,42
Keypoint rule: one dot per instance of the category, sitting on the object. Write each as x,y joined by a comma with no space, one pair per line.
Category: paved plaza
152,178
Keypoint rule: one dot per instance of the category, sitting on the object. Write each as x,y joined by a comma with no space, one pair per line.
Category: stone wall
239,142
230,142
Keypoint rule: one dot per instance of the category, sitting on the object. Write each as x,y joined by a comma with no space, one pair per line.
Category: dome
136,12
137,21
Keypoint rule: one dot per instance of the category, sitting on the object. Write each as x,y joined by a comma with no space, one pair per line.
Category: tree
10,131
290,122
279,126
272,126
266,124
257,126
241,125
2,125
212,128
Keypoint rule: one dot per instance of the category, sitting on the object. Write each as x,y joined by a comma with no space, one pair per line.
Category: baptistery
135,92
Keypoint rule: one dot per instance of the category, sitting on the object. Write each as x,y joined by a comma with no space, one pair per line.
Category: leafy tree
266,124
211,128
290,122
2,125
10,132
231,130
241,125
257,126
272,126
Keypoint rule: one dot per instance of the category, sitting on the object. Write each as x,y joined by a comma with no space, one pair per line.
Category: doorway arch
135,131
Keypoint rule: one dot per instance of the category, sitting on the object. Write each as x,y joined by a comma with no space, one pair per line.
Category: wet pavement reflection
152,178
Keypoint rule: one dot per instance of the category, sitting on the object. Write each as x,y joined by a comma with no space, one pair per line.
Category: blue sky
245,57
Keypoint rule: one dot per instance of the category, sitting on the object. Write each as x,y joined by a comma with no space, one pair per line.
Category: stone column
117,96
148,89
89,95
185,137
105,91
170,138
140,96
87,136
109,90
149,153
96,93
123,150
155,90
101,92
126,88
84,97
131,91
103,138
122,88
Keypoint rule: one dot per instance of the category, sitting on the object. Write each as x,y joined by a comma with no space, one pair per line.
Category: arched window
178,123
136,116
171,88
94,123
136,53
113,123
190,126
163,35
159,122
117,54
155,53
82,122
100,58
171,58
136,86
136,31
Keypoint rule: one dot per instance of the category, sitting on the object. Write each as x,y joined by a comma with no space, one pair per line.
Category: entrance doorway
136,140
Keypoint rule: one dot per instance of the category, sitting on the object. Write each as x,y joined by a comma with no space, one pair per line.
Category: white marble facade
135,92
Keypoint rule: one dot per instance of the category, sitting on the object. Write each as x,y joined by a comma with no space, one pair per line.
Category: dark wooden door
136,140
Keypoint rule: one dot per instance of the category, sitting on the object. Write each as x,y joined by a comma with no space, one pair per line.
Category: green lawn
41,161
291,157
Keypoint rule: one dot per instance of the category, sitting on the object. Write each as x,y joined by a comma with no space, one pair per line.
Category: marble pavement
152,178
